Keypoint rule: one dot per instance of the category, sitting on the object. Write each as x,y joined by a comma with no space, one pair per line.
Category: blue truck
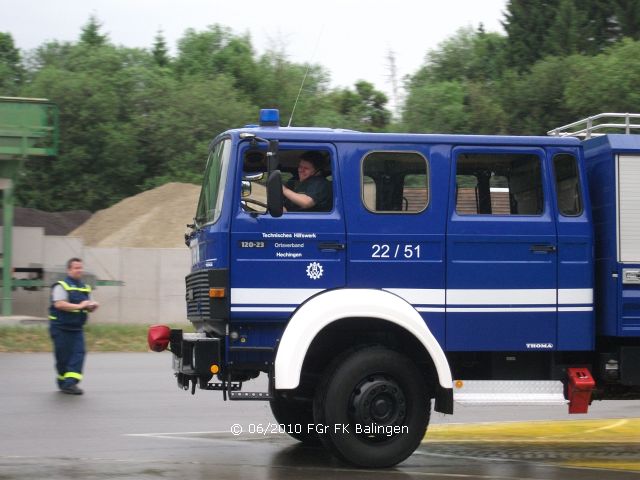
444,269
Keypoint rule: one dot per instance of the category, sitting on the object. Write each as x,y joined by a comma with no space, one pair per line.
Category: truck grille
197,295
200,307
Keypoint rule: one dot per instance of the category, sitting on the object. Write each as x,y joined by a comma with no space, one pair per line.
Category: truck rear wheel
296,418
373,407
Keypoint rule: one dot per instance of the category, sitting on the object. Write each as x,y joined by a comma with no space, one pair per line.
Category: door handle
331,246
542,248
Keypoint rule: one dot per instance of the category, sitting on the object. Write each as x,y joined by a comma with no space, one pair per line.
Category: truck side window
567,185
316,180
395,182
499,184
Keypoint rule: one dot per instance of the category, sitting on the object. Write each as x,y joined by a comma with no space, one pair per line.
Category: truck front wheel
372,408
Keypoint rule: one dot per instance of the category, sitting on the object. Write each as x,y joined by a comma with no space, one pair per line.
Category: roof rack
588,127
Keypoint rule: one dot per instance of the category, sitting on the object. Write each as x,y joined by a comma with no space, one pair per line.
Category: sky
351,38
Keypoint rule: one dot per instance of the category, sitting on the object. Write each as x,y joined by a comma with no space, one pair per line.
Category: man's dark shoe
72,390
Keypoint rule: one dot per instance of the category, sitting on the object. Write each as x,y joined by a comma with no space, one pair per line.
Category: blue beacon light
269,117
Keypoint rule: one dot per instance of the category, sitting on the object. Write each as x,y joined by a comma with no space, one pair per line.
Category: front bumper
195,354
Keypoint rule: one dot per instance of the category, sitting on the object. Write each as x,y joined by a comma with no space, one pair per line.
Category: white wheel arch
334,305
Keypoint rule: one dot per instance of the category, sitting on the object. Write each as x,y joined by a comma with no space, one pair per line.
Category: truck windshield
211,195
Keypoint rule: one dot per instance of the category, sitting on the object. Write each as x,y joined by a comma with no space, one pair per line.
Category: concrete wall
153,290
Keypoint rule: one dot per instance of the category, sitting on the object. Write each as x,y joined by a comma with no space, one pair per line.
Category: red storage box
579,389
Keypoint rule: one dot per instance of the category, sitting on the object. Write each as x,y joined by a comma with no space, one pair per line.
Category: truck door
396,223
277,263
576,322
501,252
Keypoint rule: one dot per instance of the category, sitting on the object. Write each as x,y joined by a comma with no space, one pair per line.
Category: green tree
564,27
453,59
528,81
282,83
489,60
91,33
363,108
535,100
11,71
437,107
197,50
627,14
128,122
470,63
218,51
181,127
160,51
527,25
600,28
49,54
609,82
566,34
98,159
484,112
467,55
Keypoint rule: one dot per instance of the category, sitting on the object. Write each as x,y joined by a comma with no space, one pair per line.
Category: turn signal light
216,293
215,368
158,337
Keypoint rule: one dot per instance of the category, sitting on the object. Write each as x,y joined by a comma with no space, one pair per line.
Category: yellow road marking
604,464
567,438
592,431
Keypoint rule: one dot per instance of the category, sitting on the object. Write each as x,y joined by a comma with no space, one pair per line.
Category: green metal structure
28,129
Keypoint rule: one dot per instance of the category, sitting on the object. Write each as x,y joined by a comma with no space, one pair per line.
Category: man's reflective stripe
60,377
51,317
77,376
68,287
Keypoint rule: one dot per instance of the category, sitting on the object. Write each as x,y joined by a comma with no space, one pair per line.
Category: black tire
295,418
381,391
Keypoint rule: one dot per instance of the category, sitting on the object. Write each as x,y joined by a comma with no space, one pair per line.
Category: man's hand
89,305
92,306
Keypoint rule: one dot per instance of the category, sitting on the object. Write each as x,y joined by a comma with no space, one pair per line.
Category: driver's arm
300,199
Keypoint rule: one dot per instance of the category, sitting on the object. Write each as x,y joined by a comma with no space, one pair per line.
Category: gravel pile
153,219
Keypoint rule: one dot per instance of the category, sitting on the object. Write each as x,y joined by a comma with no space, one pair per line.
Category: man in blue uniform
70,304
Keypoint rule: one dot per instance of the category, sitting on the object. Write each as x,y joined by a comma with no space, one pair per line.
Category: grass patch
99,337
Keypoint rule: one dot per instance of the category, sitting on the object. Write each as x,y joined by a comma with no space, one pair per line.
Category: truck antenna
295,104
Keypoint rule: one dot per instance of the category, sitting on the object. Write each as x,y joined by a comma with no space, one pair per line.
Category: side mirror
275,201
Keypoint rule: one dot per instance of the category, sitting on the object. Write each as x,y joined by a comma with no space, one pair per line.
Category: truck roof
351,136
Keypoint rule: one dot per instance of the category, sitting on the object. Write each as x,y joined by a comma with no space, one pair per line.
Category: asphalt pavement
133,422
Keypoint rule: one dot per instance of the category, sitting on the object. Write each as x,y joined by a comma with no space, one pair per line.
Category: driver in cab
310,191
